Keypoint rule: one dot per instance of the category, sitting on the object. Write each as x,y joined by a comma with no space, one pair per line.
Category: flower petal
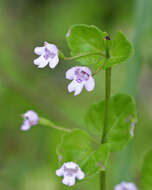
51,47
87,70
70,181
70,73
125,185
75,86
60,172
53,62
41,62
90,84
39,50
80,174
26,126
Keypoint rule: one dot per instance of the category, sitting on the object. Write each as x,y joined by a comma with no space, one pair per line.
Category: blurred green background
28,159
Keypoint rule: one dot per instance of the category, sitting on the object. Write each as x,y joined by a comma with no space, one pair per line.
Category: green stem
106,117
83,55
107,101
48,123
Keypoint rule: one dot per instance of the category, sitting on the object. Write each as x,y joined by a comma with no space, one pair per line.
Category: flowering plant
110,123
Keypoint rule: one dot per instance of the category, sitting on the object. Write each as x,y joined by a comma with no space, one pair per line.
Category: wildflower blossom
81,77
70,171
126,186
30,118
48,55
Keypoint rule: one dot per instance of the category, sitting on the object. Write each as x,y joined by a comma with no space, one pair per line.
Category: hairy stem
106,116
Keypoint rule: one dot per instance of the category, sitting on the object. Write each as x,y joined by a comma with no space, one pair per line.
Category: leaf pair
90,42
77,145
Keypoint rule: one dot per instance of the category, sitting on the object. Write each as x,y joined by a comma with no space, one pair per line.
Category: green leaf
76,146
83,39
146,178
122,118
120,50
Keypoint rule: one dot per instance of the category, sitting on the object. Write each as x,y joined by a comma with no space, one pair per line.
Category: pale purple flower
81,77
49,54
70,171
126,186
30,118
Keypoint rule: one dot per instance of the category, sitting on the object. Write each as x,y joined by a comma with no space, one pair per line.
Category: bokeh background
28,159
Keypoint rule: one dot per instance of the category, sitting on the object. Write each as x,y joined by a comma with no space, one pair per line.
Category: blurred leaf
147,172
76,146
120,50
83,39
122,119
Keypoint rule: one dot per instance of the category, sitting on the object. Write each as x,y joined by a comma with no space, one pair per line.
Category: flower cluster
126,186
80,76
70,171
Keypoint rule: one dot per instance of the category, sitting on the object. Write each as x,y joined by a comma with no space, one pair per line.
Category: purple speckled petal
41,62
39,50
90,84
87,70
52,48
